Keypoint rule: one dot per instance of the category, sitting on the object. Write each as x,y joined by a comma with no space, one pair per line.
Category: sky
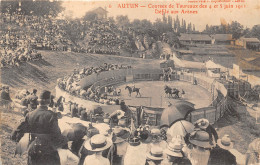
248,16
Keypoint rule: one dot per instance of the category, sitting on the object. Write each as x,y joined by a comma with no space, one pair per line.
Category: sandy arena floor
152,94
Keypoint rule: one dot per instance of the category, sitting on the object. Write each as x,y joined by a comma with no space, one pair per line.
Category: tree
170,21
189,28
236,29
30,7
171,38
177,24
193,28
206,29
184,26
111,20
122,20
255,31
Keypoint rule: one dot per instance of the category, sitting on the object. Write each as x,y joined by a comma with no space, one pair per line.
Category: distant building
193,39
100,12
222,39
249,43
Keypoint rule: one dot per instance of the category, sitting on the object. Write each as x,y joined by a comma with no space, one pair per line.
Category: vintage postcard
130,82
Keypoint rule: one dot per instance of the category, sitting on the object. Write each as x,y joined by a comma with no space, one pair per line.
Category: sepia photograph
130,82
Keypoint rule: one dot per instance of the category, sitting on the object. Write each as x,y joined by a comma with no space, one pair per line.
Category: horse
175,92
169,92
132,90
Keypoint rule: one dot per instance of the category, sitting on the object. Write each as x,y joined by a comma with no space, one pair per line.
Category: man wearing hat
221,154
97,144
119,147
174,153
32,100
253,152
198,149
5,97
45,134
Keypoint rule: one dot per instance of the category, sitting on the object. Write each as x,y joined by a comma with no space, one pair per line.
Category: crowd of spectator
104,37
70,83
21,35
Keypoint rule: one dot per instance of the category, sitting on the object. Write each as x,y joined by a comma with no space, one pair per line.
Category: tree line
235,28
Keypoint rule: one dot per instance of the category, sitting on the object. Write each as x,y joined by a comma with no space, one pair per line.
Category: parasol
176,112
181,127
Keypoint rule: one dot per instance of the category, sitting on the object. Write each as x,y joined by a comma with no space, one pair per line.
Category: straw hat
202,123
225,142
98,143
200,138
156,153
155,131
174,149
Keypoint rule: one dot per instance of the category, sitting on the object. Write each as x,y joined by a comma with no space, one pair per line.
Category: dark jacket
5,96
45,136
221,156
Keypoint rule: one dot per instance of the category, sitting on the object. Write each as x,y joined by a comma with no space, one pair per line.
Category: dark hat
45,95
134,141
120,135
200,138
34,90
92,131
83,115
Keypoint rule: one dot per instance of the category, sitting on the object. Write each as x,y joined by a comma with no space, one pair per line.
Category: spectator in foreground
155,156
174,152
97,144
221,154
204,124
46,136
253,153
198,150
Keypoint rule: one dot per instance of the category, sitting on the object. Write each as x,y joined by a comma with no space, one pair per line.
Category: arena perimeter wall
213,112
219,96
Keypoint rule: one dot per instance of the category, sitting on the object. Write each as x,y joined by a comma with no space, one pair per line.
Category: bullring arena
203,95
152,94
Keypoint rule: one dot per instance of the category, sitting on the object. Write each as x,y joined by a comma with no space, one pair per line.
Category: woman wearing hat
198,149
221,154
154,156
97,144
204,124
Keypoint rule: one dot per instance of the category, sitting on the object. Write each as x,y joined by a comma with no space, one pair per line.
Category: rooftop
194,37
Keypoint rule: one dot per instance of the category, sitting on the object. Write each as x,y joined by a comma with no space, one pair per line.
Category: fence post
216,112
161,101
150,101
